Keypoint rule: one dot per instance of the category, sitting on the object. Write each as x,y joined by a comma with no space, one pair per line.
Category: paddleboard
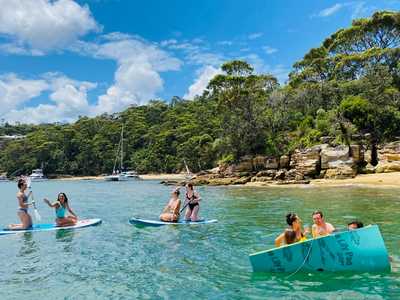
52,227
144,222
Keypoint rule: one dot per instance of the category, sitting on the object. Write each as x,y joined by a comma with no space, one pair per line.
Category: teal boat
360,250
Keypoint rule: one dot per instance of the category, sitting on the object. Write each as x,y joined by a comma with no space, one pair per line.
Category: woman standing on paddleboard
22,211
171,211
192,203
61,205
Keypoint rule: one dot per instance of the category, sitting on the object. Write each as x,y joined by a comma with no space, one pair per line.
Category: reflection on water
66,237
29,246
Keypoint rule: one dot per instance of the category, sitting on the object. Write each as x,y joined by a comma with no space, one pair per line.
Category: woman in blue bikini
61,206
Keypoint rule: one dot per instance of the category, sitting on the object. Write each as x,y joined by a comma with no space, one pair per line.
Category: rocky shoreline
303,166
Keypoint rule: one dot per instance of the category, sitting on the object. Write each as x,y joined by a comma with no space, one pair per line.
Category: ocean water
116,260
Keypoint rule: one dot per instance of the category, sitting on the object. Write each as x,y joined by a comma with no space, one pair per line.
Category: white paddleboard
52,227
144,222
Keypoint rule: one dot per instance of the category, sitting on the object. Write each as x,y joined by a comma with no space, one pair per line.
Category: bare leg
63,222
194,217
168,217
26,222
188,213
73,219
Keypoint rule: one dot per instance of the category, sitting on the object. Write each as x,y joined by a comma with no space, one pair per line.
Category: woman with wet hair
295,226
61,206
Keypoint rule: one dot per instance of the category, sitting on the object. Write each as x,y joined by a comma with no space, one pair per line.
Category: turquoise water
116,260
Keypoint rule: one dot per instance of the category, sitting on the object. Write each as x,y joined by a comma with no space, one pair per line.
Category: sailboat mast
122,147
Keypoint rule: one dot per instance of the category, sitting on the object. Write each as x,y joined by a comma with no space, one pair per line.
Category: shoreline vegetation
337,116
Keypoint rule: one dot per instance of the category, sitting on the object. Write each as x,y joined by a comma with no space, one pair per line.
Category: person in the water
320,227
292,234
171,211
355,225
61,206
22,211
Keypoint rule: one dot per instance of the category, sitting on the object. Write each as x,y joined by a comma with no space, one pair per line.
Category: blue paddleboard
144,222
52,227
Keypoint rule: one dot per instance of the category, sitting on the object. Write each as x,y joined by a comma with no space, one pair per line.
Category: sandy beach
163,177
381,180
378,180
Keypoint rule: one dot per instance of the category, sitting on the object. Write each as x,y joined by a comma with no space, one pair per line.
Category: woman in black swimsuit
192,200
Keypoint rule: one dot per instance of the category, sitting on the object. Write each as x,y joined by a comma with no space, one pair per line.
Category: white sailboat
118,175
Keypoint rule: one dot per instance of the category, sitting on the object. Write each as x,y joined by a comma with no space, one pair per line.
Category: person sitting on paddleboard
171,211
295,226
22,211
320,227
192,203
61,205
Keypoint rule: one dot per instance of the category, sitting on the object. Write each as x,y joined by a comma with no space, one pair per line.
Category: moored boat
130,174
37,175
118,175
360,250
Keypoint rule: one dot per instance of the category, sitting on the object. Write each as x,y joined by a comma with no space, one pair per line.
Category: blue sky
63,58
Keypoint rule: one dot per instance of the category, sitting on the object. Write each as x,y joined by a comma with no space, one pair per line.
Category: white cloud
15,91
330,10
69,98
255,35
269,49
37,26
137,78
201,82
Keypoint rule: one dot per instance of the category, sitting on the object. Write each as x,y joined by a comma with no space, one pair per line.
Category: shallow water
116,260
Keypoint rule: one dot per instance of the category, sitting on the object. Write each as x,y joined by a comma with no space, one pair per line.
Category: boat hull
115,178
361,250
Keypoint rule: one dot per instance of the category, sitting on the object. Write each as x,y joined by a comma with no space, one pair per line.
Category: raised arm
54,205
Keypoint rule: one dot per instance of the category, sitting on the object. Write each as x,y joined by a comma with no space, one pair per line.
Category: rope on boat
304,261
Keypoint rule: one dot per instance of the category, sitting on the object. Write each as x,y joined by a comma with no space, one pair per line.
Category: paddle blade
37,215
28,181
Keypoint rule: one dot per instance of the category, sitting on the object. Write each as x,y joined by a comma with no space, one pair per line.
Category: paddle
184,207
35,211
